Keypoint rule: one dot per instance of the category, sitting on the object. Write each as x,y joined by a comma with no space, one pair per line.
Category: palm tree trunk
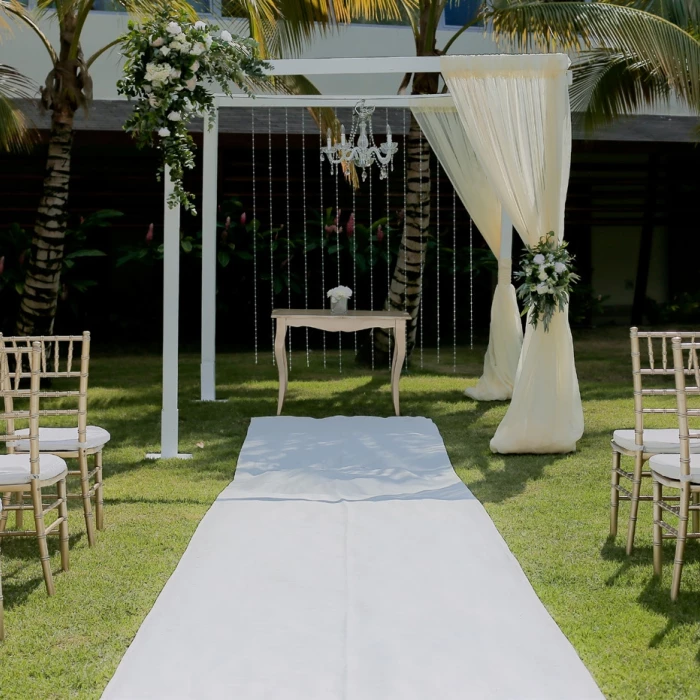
406,284
43,279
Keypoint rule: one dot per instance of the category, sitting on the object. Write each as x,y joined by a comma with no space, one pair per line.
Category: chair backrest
60,357
682,391
12,390
652,360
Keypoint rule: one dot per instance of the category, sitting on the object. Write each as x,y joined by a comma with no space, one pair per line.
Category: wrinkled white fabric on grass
347,561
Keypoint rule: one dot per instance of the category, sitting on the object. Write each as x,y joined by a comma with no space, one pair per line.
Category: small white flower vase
339,307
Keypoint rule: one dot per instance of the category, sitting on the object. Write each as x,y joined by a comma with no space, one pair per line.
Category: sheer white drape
515,110
443,128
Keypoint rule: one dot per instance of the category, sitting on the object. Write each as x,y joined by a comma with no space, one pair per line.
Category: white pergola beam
171,303
396,101
210,152
355,66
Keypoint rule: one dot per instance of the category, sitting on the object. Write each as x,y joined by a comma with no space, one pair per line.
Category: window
459,12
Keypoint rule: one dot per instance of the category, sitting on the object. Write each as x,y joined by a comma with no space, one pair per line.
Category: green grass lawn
552,511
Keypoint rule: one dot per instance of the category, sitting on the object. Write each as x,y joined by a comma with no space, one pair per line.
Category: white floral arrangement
170,64
338,293
547,278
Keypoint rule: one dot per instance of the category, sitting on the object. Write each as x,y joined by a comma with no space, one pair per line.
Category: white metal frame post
210,155
171,303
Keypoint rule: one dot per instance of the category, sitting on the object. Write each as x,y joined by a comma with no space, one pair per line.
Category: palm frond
607,86
684,13
15,133
641,37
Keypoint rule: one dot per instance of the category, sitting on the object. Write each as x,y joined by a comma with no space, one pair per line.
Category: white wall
24,51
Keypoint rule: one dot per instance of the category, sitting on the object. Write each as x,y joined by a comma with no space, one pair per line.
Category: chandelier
365,152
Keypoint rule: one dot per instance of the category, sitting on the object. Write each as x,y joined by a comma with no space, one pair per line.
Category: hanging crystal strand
454,280
420,208
337,240
303,184
255,235
388,246
437,248
272,255
323,262
354,261
371,266
405,208
289,248
471,284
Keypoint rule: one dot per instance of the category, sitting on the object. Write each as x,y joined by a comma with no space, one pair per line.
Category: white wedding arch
503,135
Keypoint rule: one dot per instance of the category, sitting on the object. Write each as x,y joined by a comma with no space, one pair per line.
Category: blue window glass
459,12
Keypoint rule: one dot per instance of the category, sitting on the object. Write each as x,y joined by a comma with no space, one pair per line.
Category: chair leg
658,531
63,527
85,492
614,493
634,501
99,493
696,513
3,516
41,538
680,542
19,514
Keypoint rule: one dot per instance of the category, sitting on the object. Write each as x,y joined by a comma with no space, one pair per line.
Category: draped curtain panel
515,110
443,128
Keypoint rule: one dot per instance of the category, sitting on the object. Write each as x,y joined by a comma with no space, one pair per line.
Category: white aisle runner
347,561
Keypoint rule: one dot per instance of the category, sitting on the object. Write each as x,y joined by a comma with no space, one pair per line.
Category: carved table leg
397,363
281,359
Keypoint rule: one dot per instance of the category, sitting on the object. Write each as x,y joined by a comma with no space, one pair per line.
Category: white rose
158,42
174,116
163,131
185,47
175,73
175,46
542,276
225,36
200,25
541,289
191,84
208,40
198,48
173,28
181,37
195,66
559,267
165,50
147,89
539,259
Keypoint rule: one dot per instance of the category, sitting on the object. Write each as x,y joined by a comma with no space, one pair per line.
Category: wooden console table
352,321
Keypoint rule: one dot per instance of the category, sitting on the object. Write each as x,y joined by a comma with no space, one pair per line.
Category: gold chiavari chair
60,360
30,471
679,472
651,365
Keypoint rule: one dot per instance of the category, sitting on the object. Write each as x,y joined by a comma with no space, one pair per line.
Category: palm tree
406,283
278,25
630,54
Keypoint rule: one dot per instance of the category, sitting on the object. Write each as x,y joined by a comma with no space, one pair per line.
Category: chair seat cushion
15,469
670,466
665,441
64,439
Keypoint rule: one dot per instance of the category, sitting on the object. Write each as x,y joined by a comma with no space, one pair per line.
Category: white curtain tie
505,271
